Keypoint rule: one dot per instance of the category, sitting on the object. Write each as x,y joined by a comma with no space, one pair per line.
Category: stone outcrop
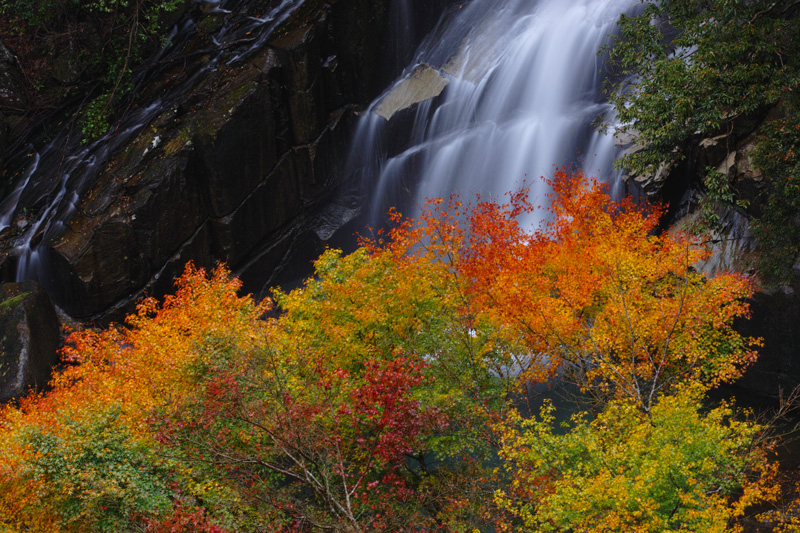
424,83
651,186
731,242
29,338
728,153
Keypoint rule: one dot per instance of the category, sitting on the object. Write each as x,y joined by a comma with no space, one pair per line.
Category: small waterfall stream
58,174
502,91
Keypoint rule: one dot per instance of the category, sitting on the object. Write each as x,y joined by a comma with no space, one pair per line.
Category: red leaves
383,407
184,518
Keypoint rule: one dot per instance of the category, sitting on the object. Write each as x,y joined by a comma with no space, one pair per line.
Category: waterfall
502,91
497,92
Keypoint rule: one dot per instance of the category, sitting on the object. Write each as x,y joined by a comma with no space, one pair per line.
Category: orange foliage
597,293
119,378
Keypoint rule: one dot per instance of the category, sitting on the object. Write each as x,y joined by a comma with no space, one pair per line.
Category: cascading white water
523,89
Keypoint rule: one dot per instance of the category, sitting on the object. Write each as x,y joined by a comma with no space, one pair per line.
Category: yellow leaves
123,376
675,470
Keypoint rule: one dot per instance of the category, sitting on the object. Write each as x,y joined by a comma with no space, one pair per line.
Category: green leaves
696,67
96,473
676,470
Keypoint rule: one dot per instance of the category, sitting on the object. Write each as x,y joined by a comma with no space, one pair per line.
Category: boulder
743,176
652,185
30,337
67,67
424,83
712,150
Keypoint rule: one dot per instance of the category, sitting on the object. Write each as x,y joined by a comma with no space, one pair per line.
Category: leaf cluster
677,470
691,69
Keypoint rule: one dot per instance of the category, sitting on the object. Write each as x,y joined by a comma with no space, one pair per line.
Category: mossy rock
29,339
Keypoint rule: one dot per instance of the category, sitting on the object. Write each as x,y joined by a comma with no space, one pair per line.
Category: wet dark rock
743,177
12,88
235,172
652,185
29,339
67,67
112,249
775,319
730,241
712,150
13,98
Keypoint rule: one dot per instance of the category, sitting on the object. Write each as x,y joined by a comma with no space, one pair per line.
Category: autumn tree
595,294
385,394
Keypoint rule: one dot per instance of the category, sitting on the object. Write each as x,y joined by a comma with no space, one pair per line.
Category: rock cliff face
775,313
29,337
234,171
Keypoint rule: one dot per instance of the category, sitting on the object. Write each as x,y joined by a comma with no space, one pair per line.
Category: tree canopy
686,70
391,392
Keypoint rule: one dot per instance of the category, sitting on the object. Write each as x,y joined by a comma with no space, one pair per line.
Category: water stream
522,88
58,174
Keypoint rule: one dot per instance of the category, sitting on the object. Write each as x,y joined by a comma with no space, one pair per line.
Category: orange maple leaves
410,347
594,291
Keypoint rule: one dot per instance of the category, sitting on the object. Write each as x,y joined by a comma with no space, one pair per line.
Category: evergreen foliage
690,69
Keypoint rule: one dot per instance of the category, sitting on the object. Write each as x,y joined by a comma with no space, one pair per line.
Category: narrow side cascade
60,173
500,93
232,144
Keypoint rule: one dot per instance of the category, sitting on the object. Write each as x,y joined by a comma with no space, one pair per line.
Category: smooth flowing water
522,86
